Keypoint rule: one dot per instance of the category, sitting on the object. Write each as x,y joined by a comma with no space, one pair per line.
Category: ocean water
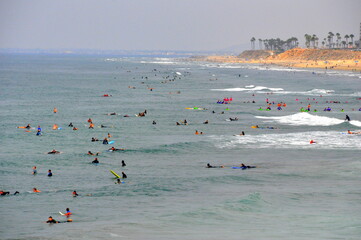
298,190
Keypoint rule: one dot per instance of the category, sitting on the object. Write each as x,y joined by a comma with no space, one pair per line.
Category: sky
190,25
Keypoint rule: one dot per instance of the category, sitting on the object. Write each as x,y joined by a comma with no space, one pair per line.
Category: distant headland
334,53
337,59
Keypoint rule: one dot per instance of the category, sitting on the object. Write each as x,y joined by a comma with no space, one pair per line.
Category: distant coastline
336,59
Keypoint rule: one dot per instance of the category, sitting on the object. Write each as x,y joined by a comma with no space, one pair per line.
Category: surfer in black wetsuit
51,220
95,160
124,175
3,193
209,166
123,163
347,118
53,152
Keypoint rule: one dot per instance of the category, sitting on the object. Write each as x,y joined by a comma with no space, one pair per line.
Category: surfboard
111,142
114,173
61,213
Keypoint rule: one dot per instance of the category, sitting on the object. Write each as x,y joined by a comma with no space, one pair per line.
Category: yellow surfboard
115,174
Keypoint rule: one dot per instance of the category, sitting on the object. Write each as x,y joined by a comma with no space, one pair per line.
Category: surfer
38,133
154,122
50,173
245,167
28,126
242,133
94,139
55,110
124,175
349,132
109,136
3,193
51,220
70,125
92,154
347,118
75,194
34,170
105,141
53,152
36,190
123,163
205,122
209,166
68,213
95,161
115,149
311,142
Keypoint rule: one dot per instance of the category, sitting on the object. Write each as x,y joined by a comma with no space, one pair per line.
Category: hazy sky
169,24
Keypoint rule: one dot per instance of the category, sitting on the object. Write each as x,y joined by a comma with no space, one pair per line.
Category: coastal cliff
297,58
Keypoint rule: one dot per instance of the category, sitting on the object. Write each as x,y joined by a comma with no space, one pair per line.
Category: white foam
305,119
323,139
250,88
355,123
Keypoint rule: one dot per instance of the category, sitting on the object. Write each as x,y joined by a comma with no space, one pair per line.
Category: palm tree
330,34
260,43
323,44
308,40
313,40
347,37
253,39
352,36
338,38
344,43
316,41
329,41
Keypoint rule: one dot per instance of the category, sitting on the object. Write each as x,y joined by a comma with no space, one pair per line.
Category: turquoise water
298,190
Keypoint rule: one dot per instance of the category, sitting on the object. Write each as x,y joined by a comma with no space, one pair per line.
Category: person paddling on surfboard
51,220
53,152
124,175
75,194
95,161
